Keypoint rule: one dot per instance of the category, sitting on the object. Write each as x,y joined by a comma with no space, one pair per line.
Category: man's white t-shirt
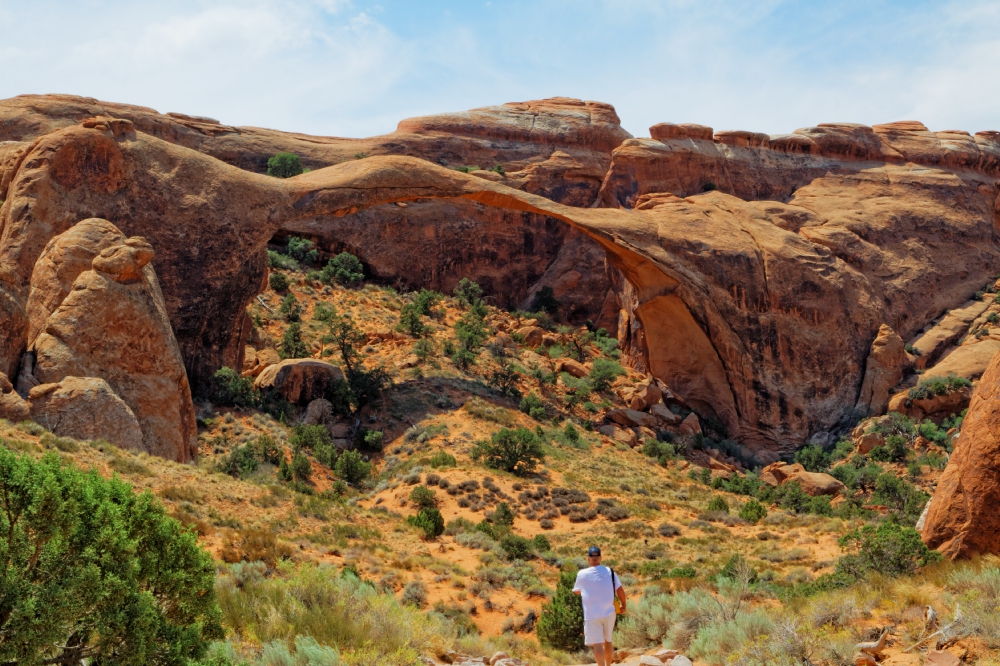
594,586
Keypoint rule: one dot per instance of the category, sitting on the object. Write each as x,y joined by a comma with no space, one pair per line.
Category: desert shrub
309,437
545,300
291,343
928,388
423,497
284,165
503,515
301,467
468,292
278,282
411,321
471,333
978,589
753,512
813,458
603,372
888,548
516,451
930,431
533,406
334,608
669,619
426,300
896,424
241,462
302,249
668,530
540,543
516,547
373,440
429,521
904,499
232,390
442,459
282,261
345,269
352,468
72,581
504,379
324,312
290,308
560,624
894,450
718,503
363,385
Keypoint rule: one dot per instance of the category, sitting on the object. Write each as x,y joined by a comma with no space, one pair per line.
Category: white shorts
599,630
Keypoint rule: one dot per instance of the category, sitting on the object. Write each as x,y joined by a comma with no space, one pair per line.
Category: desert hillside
389,390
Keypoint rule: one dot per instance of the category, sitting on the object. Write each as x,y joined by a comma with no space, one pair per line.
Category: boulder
665,655
884,369
645,395
649,660
690,426
571,367
532,335
299,380
112,324
630,418
410,361
868,441
262,359
935,407
318,412
680,660
249,360
941,658
13,407
664,415
497,656
623,435
813,483
86,408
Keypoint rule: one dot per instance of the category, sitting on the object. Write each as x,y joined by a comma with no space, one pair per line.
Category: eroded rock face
962,520
86,408
884,369
299,380
108,322
559,148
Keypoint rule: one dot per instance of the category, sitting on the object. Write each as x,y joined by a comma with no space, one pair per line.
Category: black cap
594,551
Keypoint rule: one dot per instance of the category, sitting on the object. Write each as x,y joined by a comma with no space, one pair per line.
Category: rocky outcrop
299,380
884,369
813,483
559,148
12,406
962,520
86,408
100,335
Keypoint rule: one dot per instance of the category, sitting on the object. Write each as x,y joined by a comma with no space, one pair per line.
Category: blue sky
355,68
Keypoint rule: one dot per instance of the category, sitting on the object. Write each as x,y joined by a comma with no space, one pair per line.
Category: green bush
373,440
309,437
468,292
324,312
516,547
504,379
533,406
541,544
905,500
429,520
268,450
930,431
302,249
813,458
516,451
426,300
928,388
290,308
344,269
291,343
352,468
282,261
284,165
363,386
545,300
560,624
718,503
301,468
442,459
894,449
753,512
423,497
503,515
241,462
91,568
603,373
278,282
411,321
888,548
232,390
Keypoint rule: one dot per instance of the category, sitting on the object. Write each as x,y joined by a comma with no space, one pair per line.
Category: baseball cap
594,551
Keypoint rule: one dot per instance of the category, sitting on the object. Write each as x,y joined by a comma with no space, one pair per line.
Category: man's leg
599,654
609,652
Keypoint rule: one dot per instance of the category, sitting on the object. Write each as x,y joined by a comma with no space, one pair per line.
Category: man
597,587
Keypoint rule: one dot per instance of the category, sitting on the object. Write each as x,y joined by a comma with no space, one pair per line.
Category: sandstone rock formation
86,408
813,483
95,310
962,519
299,380
12,406
883,371
758,313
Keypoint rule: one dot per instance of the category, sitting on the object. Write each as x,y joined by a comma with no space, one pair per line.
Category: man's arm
621,596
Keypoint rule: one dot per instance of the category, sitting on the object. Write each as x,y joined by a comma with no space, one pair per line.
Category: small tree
533,406
516,451
503,515
516,547
545,301
426,300
309,437
423,497
278,282
561,622
813,458
468,292
302,249
94,572
290,308
718,503
291,343
753,512
344,269
232,390
411,321
301,468
284,165
429,521
889,548
352,468
504,379
603,373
